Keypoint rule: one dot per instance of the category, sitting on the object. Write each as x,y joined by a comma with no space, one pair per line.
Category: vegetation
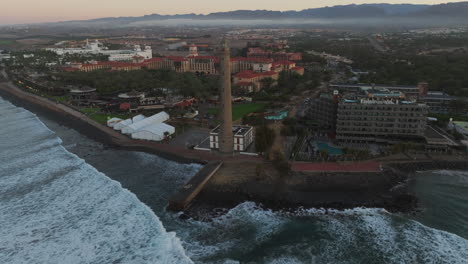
410,59
96,115
405,147
264,138
186,84
291,127
7,42
281,163
241,110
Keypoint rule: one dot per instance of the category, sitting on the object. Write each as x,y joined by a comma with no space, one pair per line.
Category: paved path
371,166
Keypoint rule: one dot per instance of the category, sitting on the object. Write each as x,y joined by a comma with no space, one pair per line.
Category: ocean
67,199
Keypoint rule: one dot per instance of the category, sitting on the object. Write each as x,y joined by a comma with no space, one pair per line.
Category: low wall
329,190
83,124
430,165
193,187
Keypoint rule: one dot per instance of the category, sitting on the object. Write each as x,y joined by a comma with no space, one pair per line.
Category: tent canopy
113,121
123,124
155,119
155,132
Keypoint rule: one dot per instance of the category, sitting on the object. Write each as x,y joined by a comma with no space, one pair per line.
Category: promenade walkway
371,166
124,141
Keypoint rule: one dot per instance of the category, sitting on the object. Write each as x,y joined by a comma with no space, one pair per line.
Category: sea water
55,208
75,214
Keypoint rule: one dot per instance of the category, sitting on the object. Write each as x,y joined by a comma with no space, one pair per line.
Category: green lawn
7,42
94,114
240,110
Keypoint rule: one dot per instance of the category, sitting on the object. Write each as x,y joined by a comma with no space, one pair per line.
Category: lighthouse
226,141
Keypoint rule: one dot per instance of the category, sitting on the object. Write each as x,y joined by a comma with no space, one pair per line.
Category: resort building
82,94
240,64
438,102
243,137
383,117
413,92
275,56
114,55
323,110
252,81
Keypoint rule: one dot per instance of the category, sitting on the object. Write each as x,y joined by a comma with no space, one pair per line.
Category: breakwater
434,164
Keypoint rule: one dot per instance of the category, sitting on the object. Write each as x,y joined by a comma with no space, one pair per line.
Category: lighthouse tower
226,140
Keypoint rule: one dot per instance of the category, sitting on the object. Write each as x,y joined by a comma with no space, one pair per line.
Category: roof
438,95
249,74
69,69
283,63
215,58
176,58
370,85
265,60
297,68
82,90
157,130
154,119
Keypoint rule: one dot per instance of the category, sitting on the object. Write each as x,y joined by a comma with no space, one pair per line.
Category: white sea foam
360,235
55,208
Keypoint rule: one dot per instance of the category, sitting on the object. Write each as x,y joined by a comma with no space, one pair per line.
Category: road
377,45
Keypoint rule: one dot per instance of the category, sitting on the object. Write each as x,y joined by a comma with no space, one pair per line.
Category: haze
33,11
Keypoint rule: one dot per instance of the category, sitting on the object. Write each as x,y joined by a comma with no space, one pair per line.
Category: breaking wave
249,234
55,208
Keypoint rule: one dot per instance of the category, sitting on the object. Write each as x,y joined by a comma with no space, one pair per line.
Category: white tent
138,118
155,119
122,124
113,121
155,132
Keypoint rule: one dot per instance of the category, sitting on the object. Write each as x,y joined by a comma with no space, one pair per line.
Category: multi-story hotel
414,92
380,116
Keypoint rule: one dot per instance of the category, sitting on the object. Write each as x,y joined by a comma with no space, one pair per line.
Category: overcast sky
29,11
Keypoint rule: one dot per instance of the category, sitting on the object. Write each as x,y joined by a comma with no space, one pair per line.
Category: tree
458,106
281,163
264,138
267,83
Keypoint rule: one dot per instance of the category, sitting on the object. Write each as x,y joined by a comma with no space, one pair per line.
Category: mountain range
457,10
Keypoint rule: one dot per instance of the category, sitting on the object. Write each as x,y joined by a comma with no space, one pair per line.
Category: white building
128,55
177,45
243,137
114,55
4,56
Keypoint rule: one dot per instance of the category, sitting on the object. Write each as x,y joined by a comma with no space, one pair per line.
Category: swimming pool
331,150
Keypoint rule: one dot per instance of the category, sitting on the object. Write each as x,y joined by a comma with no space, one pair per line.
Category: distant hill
446,10
362,12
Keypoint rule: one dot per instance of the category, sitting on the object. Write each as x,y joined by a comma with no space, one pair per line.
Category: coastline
339,190
86,126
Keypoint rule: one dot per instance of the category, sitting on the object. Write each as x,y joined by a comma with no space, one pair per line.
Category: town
233,132
314,105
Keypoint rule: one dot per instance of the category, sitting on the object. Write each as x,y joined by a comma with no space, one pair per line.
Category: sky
32,11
